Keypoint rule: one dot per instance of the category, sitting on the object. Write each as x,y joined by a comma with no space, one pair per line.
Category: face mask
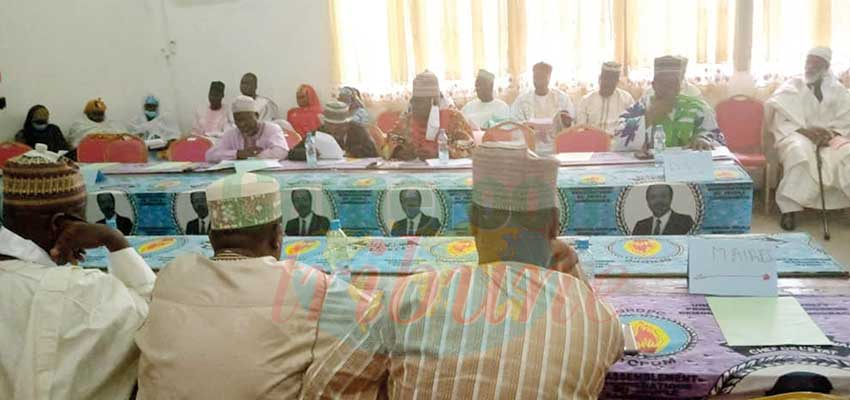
39,127
151,114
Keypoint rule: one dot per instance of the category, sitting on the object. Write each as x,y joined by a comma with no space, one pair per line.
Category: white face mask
39,127
433,124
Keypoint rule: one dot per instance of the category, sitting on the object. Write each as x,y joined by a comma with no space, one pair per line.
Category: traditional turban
244,104
611,66
426,85
243,201
668,64
822,52
42,180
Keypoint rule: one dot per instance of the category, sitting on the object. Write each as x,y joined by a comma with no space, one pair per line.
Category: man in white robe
811,111
544,102
485,111
602,108
154,126
212,120
243,324
67,333
95,122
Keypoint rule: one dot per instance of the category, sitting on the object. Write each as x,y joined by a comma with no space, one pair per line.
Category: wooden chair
582,139
741,119
510,131
192,149
10,150
128,149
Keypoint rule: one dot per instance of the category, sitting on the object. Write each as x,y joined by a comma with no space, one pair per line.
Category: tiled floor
810,222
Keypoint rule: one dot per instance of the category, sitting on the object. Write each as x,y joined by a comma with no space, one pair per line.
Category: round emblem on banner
645,250
660,209
592,179
455,251
657,336
300,247
727,174
161,245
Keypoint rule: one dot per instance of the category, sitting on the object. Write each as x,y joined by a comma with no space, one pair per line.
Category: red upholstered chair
509,131
582,139
128,149
741,119
387,120
292,138
193,149
92,148
9,150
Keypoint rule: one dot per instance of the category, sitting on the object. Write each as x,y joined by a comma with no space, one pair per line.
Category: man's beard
815,76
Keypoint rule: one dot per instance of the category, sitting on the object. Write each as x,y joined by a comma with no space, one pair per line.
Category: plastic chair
292,138
92,148
582,139
10,150
741,119
128,150
192,149
387,120
510,131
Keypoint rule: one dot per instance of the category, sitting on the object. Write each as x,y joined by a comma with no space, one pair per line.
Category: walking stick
822,197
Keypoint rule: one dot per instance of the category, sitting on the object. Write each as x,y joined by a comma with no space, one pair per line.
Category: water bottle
337,246
443,146
585,258
310,150
659,143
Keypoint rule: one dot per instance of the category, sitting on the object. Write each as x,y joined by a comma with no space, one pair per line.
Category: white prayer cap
486,75
243,104
243,201
668,64
508,176
822,52
612,66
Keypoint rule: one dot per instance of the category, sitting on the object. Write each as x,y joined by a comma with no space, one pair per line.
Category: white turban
822,52
243,104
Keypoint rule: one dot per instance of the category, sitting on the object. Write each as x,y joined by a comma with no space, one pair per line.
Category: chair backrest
510,131
581,139
741,119
193,149
9,150
292,138
128,149
387,120
92,148
377,134
800,396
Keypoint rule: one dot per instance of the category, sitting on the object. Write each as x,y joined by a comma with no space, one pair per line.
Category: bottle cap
335,225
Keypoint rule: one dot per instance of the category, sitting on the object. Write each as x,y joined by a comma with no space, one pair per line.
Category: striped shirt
501,330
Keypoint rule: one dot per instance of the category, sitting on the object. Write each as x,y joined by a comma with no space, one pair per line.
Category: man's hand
75,237
701,144
564,258
659,109
247,153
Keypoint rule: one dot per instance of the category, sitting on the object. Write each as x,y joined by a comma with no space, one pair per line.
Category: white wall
63,53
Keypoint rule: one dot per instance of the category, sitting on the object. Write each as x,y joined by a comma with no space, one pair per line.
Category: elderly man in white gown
812,113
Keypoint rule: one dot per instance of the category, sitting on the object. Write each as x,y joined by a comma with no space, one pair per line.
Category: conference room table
599,194
683,353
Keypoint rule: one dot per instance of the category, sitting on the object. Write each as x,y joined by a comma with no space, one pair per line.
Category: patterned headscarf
95,105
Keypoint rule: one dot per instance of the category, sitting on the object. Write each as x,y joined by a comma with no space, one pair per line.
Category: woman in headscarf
38,129
351,96
305,117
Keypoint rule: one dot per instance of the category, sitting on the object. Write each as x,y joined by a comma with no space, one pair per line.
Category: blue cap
335,225
582,244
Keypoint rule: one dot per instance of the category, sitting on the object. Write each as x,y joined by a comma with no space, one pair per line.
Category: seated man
267,109
154,126
244,325
352,137
67,332
688,88
544,102
486,110
602,108
251,138
685,121
415,134
95,122
812,115
306,117
38,129
212,120
510,325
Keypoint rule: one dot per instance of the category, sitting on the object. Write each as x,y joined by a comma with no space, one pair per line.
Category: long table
797,254
594,200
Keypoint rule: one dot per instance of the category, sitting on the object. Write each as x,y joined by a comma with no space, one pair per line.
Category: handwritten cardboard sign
731,267
688,166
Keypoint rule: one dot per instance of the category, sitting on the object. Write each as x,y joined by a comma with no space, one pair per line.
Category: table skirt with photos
594,200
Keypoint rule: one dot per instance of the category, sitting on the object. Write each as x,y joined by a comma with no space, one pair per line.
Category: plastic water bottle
443,146
310,150
585,258
337,246
659,144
